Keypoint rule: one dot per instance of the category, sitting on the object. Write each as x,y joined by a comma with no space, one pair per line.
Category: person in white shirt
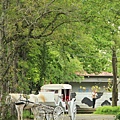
94,96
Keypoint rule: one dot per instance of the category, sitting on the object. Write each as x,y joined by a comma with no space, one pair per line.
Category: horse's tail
42,97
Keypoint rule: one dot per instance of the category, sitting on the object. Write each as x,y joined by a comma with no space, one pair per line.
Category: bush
108,110
117,116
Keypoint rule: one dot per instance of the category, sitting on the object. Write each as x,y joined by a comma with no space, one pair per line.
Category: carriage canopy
56,86
63,90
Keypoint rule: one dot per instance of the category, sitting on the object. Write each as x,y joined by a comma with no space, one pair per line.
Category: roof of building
102,74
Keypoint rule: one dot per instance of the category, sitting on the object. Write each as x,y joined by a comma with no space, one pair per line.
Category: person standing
94,96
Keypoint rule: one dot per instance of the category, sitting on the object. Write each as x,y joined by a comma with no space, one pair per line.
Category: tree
102,17
22,22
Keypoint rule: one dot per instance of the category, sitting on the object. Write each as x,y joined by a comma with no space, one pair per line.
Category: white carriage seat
49,98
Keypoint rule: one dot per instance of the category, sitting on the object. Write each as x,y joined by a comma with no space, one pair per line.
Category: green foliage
102,20
117,116
96,88
110,86
108,110
8,115
27,114
53,40
48,41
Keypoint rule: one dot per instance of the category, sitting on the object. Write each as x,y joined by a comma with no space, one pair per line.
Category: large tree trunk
115,89
4,62
2,58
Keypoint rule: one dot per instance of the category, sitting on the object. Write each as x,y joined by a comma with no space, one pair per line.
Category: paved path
92,117
89,117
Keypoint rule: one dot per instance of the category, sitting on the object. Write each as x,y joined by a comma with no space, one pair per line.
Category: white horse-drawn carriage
51,103
60,95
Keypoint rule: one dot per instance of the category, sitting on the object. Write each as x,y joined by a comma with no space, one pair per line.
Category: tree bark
115,89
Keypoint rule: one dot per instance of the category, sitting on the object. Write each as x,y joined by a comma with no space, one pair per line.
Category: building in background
83,89
101,80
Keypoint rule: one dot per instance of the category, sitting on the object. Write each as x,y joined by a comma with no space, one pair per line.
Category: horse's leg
35,113
18,111
21,111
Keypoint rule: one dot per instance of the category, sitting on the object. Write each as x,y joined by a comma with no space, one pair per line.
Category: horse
23,101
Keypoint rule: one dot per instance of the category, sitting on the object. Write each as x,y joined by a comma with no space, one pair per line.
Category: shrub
107,110
117,116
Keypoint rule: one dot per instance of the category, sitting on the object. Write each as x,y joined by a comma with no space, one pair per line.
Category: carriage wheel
41,115
48,116
58,113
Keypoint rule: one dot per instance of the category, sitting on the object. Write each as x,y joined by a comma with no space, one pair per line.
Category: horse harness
21,102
